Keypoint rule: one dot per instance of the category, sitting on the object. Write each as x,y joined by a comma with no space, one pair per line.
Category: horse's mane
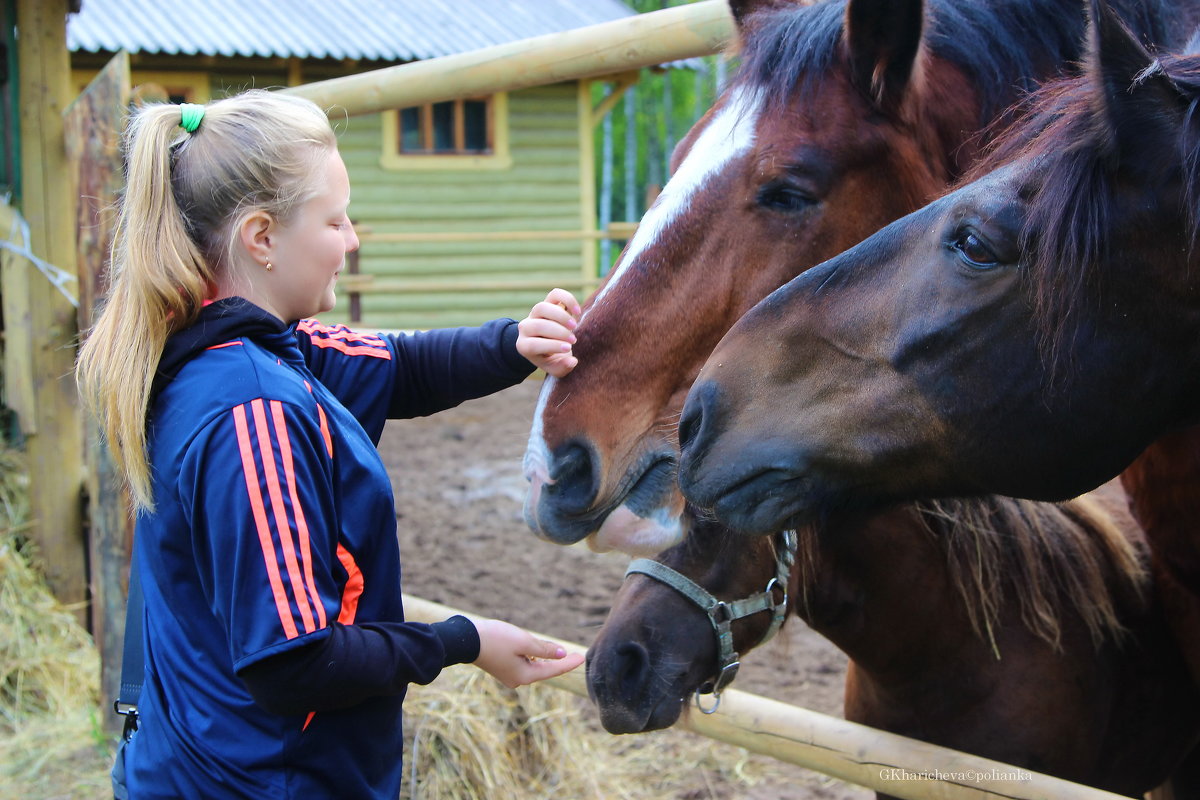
1064,129
1048,558
998,45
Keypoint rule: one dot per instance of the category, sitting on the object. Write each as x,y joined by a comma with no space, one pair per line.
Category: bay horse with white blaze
1019,631
844,116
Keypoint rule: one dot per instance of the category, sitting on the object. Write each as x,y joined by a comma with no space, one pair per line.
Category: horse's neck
1163,485
879,588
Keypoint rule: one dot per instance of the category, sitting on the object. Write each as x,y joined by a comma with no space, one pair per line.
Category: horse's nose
565,510
618,677
574,473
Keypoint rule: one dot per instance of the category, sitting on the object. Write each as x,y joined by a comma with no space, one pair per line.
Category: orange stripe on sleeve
311,326
260,522
354,586
282,523
289,471
351,350
325,430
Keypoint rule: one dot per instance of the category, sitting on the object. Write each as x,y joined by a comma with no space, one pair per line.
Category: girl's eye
974,252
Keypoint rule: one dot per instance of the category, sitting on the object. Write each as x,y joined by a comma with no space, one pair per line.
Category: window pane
475,126
410,130
443,127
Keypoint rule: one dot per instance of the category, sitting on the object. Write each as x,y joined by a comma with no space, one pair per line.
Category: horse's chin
634,535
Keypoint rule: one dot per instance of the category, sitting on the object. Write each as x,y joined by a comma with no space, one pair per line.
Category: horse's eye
974,252
781,197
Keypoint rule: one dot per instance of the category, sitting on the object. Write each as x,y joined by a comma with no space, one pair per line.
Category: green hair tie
190,115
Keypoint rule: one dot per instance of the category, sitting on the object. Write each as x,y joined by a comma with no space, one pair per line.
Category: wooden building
468,209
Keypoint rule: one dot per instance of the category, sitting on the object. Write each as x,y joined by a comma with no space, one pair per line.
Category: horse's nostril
630,667
697,410
575,477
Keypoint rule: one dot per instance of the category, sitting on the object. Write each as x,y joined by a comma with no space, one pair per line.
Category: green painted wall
540,191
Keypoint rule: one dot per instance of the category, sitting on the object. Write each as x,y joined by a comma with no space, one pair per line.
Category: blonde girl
276,651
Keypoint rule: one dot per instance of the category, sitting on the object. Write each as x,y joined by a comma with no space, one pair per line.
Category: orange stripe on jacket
325,431
289,472
351,350
354,586
311,326
260,522
227,344
282,524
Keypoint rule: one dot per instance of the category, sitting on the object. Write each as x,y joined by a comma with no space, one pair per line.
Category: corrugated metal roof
386,30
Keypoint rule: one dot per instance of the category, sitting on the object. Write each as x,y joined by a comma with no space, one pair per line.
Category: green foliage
661,107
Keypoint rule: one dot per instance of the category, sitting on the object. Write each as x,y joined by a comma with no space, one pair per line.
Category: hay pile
51,744
470,738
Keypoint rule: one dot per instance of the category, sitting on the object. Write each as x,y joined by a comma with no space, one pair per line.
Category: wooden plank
373,284
16,273
888,763
55,450
609,48
94,123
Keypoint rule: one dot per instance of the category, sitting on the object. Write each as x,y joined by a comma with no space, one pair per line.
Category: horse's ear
883,39
1140,104
742,9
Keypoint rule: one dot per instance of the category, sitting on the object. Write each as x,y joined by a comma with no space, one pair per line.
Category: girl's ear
256,233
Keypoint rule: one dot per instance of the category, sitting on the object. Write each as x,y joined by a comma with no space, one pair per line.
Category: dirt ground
464,543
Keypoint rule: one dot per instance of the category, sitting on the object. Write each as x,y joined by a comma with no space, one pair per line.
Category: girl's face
309,251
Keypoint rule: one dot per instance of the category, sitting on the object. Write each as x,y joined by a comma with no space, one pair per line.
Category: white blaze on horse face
729,134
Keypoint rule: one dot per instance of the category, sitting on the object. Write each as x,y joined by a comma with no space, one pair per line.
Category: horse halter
722,614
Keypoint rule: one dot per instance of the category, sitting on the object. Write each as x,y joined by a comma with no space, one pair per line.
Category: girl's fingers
541,670
545,329
555,312
565,299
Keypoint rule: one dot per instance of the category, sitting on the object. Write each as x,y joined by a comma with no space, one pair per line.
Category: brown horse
844,116
1028,334
1019,631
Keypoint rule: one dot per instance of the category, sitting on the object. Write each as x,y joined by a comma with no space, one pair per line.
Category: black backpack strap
132,657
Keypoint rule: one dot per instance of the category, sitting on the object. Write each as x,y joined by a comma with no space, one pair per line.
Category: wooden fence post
52,426
94,124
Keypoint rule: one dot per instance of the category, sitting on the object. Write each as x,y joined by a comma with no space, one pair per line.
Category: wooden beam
94,123
625,44
891,764
55,448
621,85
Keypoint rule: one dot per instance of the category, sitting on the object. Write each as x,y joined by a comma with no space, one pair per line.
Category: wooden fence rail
899,766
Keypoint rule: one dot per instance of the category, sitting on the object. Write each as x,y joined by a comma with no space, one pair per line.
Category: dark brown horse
1019,631
1028,334
844,116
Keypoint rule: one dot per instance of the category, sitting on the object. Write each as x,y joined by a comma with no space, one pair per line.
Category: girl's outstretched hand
516,657
548,333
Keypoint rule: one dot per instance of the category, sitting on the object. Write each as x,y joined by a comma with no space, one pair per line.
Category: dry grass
470,738
50,743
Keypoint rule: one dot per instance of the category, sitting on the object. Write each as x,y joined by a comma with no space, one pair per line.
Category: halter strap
723,613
